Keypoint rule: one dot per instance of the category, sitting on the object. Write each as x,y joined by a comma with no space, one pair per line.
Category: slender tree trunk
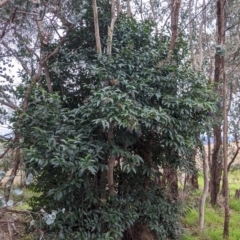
48,79
200,41
216,167
96,27
148,158
228,169
191,32
111,29
111,163
129,11
15,167
205,191
225,146
175,9
119,7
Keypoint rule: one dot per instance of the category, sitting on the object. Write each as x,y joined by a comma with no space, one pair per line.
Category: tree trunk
96,27
205,192
129,11
110,29
13,174
225,140
111,163
216,167
175,8
170,175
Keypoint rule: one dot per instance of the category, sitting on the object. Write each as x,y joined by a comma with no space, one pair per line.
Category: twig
4,153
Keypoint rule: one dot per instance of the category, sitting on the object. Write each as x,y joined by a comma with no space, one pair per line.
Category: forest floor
15,221
214,216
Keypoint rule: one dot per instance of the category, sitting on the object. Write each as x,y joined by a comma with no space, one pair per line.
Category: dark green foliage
157,114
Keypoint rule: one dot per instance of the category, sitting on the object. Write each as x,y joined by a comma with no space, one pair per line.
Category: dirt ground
12,225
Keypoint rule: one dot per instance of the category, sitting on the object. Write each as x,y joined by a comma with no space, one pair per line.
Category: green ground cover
214,217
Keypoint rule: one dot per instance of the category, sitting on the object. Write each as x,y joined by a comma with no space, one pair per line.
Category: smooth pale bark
129,11
119,7
96,27
16,163
111,29
112,158
200,41
205,191
191,33
225,154
175,9
2,2
48,79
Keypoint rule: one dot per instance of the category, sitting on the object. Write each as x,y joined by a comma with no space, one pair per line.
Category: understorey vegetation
96,144
108,110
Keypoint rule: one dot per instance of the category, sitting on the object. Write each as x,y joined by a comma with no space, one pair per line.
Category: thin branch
27,48
2,2
8,22
55,51
235,154
4,153
11,105
38,75
27,13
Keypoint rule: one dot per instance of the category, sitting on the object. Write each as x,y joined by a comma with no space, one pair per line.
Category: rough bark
237,194
148,161
170,176
216,167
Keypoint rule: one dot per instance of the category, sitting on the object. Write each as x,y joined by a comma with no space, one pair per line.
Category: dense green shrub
156,115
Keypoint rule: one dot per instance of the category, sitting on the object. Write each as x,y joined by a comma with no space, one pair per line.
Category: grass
214,217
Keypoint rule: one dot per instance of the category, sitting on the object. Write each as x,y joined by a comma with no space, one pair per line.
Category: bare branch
40,68
8,104
4,153
2,2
